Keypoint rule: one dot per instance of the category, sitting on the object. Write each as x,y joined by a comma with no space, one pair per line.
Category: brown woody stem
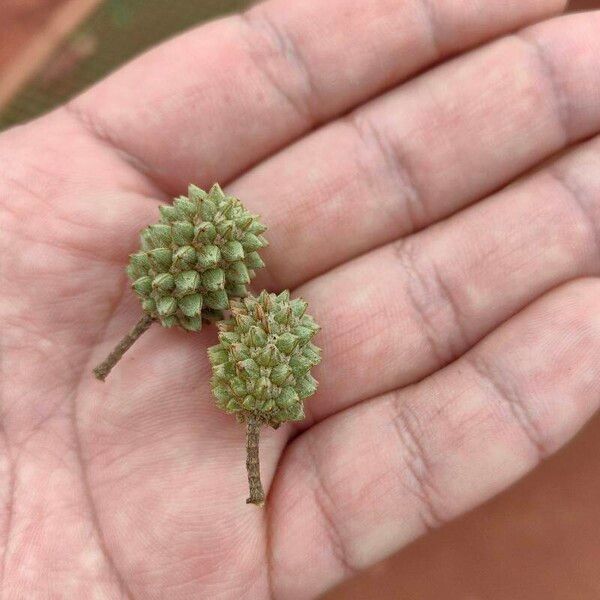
257,495
105,367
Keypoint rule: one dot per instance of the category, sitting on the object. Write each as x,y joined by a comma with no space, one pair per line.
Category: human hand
458,351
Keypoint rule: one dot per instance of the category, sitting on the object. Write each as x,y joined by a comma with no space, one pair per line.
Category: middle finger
427,149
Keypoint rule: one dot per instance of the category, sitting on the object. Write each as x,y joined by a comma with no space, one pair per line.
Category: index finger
216,100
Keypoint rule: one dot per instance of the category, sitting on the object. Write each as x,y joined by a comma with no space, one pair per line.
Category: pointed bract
190,305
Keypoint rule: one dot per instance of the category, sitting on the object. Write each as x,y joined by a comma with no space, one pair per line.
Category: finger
428,148
216,100
364,483
409,308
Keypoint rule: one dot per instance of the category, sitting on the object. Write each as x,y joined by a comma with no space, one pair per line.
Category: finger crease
280,43
549,74
454,306
392,157
511,398
89,125
424,293
419,467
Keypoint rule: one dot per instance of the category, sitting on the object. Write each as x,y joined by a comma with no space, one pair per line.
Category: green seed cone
261,365
199,257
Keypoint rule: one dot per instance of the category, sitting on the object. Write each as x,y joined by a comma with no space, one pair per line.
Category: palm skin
458,350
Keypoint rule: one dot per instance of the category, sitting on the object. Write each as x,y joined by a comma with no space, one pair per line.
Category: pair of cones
193,266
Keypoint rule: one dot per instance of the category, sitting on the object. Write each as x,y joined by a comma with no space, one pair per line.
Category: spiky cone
261,368
200,255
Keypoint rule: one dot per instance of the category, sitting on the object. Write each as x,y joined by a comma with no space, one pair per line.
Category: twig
257,495
105,367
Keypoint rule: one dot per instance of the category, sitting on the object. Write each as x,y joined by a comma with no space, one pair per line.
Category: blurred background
539,540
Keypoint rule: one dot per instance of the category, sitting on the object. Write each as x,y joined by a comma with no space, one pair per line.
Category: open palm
460,316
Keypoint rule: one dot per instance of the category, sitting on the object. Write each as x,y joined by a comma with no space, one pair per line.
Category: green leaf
239,352
243,322
248,368
205,233
233,406
267,357
186,255
161,258
262,388
160,235
306,386
295,412
139,263
280,374
217,300
195,193
227,338
308,321
185,208
298,307
300,364
143,285
187,282
216,193
168,213
238,386
304,333
236,290
208,209
254,261
249,402
312,353
287,342
268,405
244,220
225,229
213,279
251,242
164,282
232,251
149,306
288,397
224,371
182,232
218,355
258,337
166,306
146,239
238,273
168,321
191,323
221,393
208,257
190,305
231,207
256,227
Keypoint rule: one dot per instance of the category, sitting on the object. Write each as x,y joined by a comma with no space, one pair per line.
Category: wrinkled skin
461,330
